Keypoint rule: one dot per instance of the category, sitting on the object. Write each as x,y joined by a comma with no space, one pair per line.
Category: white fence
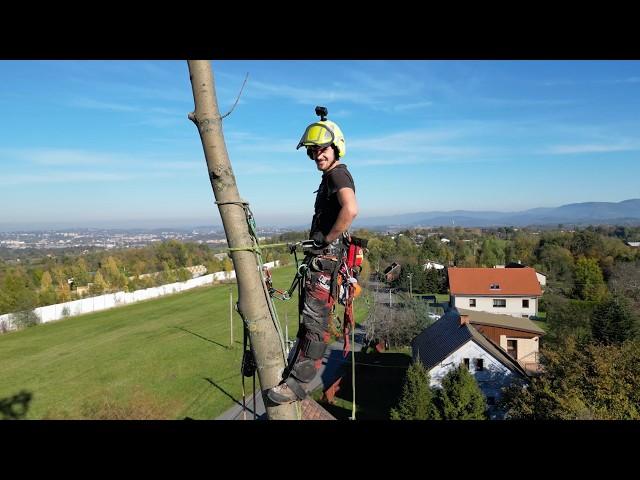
58,311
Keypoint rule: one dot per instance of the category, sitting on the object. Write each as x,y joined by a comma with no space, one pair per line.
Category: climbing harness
344,289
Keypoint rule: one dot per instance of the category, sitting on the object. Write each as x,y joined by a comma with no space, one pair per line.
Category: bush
26,318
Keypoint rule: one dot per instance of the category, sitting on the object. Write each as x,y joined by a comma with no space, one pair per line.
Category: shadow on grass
379,381
340,413
15,407
203,338
229,395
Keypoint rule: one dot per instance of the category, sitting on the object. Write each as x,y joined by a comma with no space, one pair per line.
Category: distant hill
626,212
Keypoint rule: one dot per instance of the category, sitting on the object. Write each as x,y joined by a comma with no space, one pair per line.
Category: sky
108,143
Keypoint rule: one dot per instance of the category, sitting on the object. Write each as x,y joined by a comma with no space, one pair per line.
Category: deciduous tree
589,283
582,381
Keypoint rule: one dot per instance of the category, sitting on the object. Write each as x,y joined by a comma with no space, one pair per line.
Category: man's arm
349,211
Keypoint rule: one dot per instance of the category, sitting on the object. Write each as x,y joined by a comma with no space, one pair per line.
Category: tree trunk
252,298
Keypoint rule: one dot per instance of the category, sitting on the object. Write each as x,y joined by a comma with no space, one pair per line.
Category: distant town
110,238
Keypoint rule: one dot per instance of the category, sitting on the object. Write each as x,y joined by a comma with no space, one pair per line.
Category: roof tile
478,281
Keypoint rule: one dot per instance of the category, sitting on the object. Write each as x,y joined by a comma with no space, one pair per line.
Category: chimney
464,320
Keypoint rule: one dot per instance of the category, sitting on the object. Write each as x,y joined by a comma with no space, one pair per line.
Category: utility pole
253,299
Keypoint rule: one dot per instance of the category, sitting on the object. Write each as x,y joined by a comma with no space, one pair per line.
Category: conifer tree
613,321
460,397
416,401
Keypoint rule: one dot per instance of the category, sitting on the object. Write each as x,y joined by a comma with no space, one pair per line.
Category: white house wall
485,304
494,376
526,347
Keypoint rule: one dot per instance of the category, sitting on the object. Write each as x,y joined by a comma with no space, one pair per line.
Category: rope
255,410
255,248
353,372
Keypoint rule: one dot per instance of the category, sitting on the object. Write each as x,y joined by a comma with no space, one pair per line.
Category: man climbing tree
335,209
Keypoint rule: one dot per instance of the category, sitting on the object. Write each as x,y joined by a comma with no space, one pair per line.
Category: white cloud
59,156
362,89
181,165
413,141
98,105
412,106
556,83
67,177
523,102
53,157
591,148
267,168
311,95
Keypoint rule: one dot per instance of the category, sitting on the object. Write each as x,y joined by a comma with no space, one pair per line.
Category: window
512,348
479,364
494,286
525,316
472,302
500,302
465,361
525,303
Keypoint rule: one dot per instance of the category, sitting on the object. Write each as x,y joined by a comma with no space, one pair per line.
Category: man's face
324,158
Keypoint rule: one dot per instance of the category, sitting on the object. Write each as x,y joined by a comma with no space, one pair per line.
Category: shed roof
504,321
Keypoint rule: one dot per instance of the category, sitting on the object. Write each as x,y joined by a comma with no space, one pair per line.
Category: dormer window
494,286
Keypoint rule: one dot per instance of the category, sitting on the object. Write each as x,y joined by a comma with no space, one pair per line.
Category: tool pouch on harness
248,364
355,252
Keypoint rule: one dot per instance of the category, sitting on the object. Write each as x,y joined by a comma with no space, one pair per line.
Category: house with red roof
506,291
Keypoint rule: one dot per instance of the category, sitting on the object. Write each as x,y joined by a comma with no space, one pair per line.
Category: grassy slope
163,358
172,352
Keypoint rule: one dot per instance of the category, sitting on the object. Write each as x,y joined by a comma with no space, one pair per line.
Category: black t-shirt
327,205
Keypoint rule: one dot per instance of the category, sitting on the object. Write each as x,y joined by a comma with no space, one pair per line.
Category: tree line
55,278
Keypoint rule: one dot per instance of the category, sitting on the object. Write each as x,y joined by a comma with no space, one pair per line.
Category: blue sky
108,143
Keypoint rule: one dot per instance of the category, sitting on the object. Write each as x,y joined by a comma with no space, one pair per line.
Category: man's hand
319,243
319,240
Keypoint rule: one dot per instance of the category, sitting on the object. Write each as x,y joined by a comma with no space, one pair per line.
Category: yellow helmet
323,134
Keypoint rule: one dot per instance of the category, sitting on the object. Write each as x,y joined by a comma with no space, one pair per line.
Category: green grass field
165,358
